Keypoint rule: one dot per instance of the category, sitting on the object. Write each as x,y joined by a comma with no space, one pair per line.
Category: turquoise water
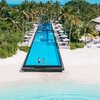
13,5
62,2
44,47
49,90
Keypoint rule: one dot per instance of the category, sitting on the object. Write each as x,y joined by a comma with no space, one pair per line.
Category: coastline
81,66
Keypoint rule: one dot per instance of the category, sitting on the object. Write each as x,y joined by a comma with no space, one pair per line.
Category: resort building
97,23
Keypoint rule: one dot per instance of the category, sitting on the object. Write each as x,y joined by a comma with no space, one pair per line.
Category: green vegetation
24,48
79,45
8,40
74,15
74,45
12,29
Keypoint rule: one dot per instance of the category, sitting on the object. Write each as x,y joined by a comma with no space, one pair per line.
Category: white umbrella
26,36
66,40
58,29
56,21
62,43
61,31
64,36
59,25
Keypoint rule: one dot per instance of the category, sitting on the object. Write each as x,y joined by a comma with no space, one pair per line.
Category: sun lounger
88,46
98,45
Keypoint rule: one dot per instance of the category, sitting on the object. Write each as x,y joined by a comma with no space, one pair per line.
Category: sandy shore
81,65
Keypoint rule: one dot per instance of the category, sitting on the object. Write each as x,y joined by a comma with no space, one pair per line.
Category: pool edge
47,68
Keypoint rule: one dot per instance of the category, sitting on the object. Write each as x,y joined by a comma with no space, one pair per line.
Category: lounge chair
88,46
98,45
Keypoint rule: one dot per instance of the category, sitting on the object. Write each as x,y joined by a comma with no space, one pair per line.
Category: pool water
44,48
49,91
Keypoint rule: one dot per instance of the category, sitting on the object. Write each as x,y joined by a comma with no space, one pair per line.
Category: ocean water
13,5
49,90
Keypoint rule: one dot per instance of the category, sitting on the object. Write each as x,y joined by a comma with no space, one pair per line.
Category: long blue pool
44,51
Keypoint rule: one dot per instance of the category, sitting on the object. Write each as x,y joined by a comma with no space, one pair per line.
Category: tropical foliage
24,48
15,21
76,16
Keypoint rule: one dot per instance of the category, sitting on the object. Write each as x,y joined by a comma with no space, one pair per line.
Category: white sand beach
81,65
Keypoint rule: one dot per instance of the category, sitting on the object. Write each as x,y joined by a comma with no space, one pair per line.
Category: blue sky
62,1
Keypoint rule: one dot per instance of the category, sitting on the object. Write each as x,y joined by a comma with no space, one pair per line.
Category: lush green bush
9,39
80,45
74,45
24,48
3,53
7,50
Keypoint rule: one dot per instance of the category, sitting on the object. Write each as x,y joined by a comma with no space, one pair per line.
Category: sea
13,5
62,2
49,90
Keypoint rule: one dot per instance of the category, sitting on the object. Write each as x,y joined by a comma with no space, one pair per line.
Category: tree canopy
15,21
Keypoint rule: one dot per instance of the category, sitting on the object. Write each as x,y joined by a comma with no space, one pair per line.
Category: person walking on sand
39,60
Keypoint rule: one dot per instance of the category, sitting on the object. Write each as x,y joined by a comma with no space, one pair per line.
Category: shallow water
49,90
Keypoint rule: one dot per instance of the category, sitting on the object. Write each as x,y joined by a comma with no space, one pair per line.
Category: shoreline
81,66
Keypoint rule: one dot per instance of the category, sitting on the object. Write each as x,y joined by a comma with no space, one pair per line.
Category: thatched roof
96,20
98,27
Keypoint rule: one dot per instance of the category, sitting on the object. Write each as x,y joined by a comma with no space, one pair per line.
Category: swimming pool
43,54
